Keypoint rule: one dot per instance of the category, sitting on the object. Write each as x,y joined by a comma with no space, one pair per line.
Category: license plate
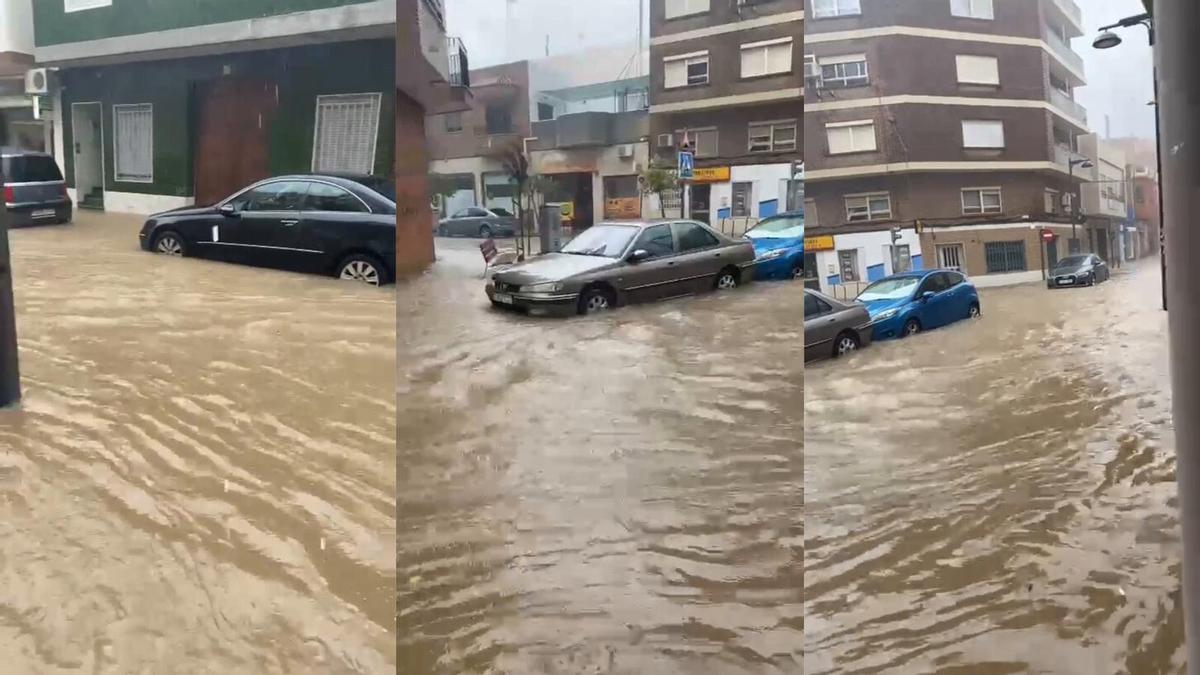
1063,282
43,213
503,298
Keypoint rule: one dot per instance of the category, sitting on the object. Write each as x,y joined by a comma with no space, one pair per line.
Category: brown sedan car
617,263
833,328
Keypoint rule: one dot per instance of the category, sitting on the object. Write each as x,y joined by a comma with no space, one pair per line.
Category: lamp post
1107,40
1083,163
10,378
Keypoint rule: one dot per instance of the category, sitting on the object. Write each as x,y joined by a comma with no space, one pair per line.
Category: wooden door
233,140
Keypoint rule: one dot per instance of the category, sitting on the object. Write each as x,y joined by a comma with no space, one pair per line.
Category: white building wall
874,258
16,26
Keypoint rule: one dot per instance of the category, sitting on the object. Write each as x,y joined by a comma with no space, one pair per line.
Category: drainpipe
1177,54
10,378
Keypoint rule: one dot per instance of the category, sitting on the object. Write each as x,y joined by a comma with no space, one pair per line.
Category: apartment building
26,124
726,77
1104,200
580,119
941,133
167,104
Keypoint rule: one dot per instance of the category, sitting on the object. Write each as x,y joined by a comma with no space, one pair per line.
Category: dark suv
34,190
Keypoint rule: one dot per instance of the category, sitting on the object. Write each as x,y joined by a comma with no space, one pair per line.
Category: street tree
516,166
658,180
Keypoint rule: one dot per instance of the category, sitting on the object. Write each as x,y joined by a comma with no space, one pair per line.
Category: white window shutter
346,133
779,58
977,69
840,140
675,73
133,159
983,134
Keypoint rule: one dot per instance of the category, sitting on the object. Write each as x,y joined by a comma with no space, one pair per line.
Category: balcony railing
1062,49
1068,105
1072,10
460,69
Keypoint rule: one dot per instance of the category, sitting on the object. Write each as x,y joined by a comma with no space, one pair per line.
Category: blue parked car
906,304
779,246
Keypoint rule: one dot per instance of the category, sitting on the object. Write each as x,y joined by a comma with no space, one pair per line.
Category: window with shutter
767,58
846,137
347,131
824,8
685,69
983,134
972,9
678,8
977,69
80,5
133,127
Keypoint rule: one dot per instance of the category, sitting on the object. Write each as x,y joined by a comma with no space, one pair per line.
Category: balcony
591,129
1075,112
1064,52
1071,11
460,70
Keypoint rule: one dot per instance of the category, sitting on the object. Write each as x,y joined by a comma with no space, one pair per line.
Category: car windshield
889,289
781,227
609,241
1072,262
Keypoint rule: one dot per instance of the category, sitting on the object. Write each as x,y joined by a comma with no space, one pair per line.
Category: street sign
687,166
1047,235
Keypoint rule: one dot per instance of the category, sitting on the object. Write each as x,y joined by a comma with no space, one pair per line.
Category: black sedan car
1086,269
34,190
313,223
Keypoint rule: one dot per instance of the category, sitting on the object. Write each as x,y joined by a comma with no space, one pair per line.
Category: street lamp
1083,163
1107,40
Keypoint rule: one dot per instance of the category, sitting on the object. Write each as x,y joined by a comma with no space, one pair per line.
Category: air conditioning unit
666,141
811,70
37,81
625,151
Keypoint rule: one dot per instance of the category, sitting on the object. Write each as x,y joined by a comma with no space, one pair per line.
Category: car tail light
64,191
10,195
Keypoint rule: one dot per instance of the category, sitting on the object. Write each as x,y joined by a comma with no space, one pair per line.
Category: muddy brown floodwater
999,496
201,476
613,494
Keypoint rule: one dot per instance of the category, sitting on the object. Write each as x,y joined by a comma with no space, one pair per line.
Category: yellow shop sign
823,243
711,174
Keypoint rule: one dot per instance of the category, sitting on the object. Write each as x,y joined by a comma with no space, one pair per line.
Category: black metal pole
10,377
1162,242
1075,197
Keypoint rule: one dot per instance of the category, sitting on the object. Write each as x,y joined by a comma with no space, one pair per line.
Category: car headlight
771,255
548,287
886,314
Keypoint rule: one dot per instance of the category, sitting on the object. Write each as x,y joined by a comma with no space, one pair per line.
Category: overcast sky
1118,86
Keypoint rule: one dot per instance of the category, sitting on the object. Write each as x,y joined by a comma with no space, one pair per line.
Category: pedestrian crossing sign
687,166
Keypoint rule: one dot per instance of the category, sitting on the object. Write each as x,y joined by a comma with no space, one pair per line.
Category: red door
232,148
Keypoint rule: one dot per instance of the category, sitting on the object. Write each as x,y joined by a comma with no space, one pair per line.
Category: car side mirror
227,210
926,296
638,256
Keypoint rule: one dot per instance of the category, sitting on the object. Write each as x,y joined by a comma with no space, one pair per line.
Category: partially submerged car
779,246
833,328
476,221
908,303
618,263
34,190
1086,269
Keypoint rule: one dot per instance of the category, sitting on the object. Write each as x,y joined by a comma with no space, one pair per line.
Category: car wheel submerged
797,272
363,269
595,300
726,279
973,312
170,243
485,232
911,327
846,343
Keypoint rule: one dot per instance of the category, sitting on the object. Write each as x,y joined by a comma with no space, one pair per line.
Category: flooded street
611,494
201,476
999,496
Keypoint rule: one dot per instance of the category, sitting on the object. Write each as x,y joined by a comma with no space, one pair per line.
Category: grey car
618,263
476,221
34,190
1086,269
833,328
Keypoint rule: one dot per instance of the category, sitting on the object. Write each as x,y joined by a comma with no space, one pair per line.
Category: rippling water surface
201,476
617,494
999,496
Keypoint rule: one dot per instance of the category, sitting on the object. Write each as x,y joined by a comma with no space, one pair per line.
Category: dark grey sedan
34,190
833,328
1086,269
478,222
617,263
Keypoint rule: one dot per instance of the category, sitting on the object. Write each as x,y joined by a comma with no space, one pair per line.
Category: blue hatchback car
906,304
779,246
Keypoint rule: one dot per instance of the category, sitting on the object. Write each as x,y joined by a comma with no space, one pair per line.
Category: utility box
551,229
